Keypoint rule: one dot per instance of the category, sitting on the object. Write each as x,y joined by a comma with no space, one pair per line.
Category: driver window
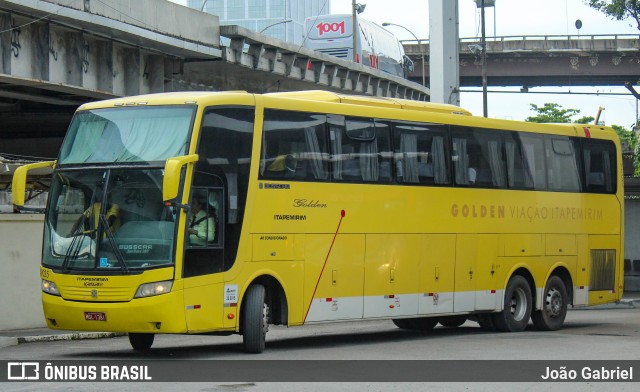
202,219
204,236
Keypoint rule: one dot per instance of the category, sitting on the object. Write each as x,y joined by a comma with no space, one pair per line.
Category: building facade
281,19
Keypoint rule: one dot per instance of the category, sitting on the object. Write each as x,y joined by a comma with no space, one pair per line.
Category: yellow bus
205,213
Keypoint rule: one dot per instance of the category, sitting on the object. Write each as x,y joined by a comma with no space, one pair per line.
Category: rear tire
141,341
554,306
517,306
452,321
255,319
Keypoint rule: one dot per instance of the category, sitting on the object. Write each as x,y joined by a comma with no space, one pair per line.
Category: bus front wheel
517,306
255,320
554,306
141,341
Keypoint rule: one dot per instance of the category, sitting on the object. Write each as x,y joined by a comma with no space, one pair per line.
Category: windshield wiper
112,241
77,239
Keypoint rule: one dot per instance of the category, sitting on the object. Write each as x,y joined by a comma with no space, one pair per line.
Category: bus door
203,259
214,221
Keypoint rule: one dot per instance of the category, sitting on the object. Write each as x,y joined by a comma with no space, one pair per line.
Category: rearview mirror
172,170
19,181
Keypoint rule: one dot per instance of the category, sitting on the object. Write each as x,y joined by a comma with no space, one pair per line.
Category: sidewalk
12,338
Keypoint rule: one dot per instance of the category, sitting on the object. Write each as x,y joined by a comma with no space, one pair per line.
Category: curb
6,341
69,336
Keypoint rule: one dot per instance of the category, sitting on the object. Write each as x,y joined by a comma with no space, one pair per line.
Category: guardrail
536,38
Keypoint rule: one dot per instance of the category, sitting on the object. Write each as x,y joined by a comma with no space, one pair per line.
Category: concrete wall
157,15
632,245
21,244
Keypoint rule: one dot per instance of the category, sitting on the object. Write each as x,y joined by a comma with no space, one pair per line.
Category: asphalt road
594,334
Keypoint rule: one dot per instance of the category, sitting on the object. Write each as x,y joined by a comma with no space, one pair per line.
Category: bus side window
563,171
534,157
294,146
420,155
361,150
599,166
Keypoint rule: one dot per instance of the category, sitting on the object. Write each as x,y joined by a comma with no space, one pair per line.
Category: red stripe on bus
342,214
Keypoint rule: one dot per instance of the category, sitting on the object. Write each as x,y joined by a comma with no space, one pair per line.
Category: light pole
204,2
356,8
482,4
419,46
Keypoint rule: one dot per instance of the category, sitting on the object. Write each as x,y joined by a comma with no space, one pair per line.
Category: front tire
554,306
255,320
517,306
141,341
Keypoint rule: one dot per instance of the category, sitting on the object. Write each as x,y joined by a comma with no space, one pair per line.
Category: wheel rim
518,304
553,303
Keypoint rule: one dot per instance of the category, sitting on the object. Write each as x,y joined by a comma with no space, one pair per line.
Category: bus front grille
340,52
96,294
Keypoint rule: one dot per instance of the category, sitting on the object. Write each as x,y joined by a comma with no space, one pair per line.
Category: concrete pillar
104,66
73,62
444,72
5,44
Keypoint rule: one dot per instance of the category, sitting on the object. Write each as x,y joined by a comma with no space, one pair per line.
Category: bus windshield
108,219
126,135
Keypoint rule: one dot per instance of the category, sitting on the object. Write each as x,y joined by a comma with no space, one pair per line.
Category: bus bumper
158,314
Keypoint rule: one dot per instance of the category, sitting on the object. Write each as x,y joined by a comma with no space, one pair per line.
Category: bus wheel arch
554,302
264,302
518,302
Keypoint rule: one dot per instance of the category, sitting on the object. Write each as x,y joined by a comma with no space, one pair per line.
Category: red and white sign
328,27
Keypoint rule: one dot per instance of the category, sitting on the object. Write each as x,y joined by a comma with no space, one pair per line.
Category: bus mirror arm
185,207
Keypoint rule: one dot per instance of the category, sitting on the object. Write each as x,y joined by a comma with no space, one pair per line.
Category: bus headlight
155,288
49,287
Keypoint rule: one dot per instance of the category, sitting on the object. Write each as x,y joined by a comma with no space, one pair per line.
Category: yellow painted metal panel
523,244
560,245
343,275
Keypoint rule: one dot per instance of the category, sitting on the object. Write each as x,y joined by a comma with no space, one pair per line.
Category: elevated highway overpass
552,60
58,54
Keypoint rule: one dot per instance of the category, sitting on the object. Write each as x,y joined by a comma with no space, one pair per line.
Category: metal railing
537,38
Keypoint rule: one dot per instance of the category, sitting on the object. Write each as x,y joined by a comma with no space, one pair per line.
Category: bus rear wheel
255,319
554,306
141,341
517,306
452,321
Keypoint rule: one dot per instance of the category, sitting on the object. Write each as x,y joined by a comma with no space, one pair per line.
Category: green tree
555,113
630,144
618,9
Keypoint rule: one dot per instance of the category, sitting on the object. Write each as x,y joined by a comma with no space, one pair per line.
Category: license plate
95,316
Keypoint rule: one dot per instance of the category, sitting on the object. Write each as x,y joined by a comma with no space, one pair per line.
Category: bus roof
394,103
245,98
310,95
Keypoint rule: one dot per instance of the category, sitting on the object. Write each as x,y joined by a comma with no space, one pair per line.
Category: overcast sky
514,17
